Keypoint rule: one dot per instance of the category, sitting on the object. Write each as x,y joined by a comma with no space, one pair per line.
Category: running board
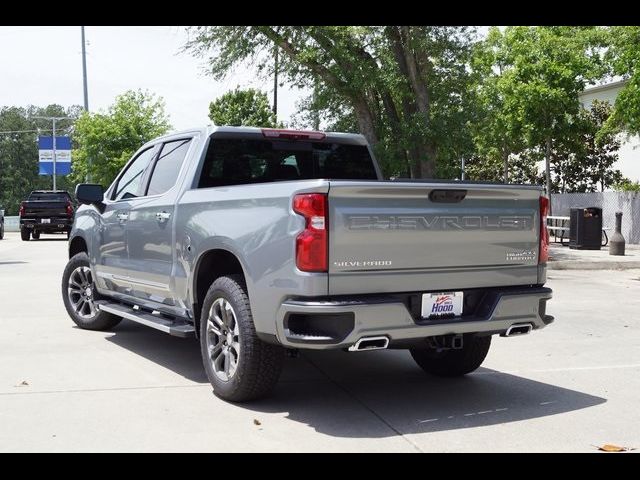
172,327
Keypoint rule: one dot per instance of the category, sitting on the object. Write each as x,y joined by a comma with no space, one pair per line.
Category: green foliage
19,152
626,185
530,78
586,157
425,97
110,139
247,107
623,55
406,88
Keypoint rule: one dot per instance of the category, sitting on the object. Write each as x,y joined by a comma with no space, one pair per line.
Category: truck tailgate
44,208
408,236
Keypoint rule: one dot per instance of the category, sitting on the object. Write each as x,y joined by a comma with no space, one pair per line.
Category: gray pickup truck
260,240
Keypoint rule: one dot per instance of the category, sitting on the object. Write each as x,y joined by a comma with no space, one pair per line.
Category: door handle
163,216
123,217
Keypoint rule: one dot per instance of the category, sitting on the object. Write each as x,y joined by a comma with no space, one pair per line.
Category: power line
26,131
40,130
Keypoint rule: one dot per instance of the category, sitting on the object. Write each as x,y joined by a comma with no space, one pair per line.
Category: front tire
239,365
25,234
1,231
453,363
79,295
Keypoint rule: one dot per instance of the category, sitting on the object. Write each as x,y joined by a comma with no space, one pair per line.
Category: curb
586,265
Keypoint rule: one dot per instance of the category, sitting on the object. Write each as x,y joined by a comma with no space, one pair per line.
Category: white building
629,153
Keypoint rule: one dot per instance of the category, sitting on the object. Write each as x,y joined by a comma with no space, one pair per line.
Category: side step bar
172,327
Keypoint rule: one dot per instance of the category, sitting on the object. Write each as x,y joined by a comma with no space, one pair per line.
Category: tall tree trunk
415,165
365,120
417,108
428,161
505,161
548,169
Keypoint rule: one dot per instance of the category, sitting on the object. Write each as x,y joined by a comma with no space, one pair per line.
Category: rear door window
167,167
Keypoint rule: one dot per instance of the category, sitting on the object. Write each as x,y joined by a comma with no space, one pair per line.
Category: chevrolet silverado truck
256,241
45,211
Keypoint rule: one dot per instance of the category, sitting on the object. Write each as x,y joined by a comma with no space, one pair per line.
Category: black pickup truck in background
46,211
1,223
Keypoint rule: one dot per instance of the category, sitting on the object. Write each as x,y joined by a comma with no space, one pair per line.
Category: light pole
86,92
275,82
54,120
84,71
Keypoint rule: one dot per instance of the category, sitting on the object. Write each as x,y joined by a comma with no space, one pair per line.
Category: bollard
616,244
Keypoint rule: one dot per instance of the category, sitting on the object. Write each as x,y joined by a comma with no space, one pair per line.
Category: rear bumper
56,225
339,323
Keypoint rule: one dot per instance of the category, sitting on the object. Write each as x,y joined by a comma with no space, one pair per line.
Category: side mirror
90,193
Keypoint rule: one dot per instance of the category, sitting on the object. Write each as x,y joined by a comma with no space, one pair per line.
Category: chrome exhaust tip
518,329
370,343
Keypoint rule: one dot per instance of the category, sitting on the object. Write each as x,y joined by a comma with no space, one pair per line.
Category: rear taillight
21,211
69,210
544,233
312,243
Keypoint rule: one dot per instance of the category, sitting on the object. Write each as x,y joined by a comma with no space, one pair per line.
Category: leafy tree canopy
110,139
247,107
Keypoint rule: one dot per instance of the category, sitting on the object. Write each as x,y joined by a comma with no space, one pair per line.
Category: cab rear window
242,161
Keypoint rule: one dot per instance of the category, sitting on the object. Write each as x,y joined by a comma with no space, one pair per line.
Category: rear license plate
446,304
45,220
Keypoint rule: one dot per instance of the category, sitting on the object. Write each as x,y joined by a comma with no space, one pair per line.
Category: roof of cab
209,130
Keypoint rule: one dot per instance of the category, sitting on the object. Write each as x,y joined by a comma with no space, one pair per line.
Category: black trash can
585,228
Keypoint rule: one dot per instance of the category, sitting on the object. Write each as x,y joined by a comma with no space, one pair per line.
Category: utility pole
86,93
462,174
275,82
54,120
84,71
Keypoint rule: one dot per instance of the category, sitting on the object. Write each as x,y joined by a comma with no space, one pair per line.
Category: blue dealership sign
63,155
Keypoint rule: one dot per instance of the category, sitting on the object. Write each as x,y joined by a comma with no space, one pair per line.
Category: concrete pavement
565,258
567,388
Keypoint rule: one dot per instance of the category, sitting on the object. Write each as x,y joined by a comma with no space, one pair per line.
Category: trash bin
585,228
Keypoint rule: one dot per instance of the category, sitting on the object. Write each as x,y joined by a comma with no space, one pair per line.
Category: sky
43,65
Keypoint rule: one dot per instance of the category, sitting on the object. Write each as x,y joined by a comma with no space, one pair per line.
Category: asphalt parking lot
570,387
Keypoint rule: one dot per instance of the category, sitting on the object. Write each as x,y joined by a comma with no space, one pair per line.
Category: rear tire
1,231
35,235
239,365
453,363
79,295
25,234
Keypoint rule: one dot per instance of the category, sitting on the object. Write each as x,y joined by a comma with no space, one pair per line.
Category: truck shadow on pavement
181,355
373,394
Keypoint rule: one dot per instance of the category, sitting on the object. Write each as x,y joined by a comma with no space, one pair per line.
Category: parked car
260,240
46,211
1,223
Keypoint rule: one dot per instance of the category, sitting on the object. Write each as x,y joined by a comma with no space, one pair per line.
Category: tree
624,58
248,107
405,86
110,139
626,185
532,96
498,133
584,161
19,151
